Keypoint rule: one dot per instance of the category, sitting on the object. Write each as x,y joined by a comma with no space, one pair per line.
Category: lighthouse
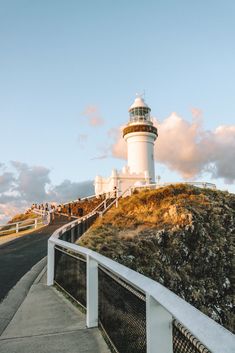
140,135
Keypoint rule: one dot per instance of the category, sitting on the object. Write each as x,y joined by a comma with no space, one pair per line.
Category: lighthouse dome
139,111
139,102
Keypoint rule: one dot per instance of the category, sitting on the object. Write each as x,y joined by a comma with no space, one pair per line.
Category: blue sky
61,59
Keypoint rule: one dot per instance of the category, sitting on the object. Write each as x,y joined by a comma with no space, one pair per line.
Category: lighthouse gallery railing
136,313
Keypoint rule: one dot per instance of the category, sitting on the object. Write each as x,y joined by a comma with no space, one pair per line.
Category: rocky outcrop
182,237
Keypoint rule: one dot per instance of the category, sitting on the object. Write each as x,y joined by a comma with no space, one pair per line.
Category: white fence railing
157,186
19,226
82,199
162,305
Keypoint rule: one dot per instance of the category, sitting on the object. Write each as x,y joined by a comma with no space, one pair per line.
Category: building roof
139,102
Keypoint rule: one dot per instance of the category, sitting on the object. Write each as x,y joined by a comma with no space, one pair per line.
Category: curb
15,297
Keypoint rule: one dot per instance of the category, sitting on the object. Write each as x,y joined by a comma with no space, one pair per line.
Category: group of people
78,208
43,207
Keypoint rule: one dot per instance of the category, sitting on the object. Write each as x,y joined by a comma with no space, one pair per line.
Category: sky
70,69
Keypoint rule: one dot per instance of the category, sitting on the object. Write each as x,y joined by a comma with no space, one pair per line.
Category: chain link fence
122,313
121,307
185,342
70,274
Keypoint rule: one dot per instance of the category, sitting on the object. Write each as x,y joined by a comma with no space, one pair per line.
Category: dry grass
22,217
180,236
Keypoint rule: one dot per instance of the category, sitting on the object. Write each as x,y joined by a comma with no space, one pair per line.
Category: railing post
50,263
73,235
17,227
158,327
35,223
92,293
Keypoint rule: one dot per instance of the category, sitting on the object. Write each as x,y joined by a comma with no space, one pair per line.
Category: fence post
35,223
158,327
17,227
73,234
50,263
92,293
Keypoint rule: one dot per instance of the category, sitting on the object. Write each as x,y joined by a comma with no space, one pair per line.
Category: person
69,211
45,218
80,211
52,213
59,209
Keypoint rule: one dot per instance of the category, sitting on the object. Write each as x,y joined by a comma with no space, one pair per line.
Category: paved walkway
19,255
46,322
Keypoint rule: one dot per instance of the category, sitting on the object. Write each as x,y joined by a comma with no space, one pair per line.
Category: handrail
215,337
117,198
159,185
82,199
29,222
10,224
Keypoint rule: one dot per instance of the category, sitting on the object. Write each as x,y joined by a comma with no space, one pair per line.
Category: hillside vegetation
23,216
180,236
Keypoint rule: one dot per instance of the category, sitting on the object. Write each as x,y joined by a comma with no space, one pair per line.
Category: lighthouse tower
140,135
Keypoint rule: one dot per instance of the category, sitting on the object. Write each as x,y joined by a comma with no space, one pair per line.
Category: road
20,255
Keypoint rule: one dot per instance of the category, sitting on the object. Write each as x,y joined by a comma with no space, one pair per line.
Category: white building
140,135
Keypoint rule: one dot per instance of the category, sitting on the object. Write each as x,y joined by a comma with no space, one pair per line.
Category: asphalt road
20,255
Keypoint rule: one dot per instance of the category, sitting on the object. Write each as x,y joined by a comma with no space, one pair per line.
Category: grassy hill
181,236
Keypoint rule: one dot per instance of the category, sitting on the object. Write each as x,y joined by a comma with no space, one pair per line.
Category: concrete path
19,255
46,322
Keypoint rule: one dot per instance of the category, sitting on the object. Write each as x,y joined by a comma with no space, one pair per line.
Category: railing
82,199
19,226
136,313
193,183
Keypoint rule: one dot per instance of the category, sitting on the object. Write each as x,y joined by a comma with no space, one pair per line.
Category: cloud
67,190
6,181
32,184
188,149
119,148
104,156
93,116
31,181
223,153
196,112
7,211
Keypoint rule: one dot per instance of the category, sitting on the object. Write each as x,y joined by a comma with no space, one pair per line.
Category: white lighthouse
140,135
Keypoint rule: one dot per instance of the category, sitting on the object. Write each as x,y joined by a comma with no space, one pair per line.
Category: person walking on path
52,213
69,211
59,209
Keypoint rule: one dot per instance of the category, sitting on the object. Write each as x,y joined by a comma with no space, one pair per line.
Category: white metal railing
162,305
19,226
82,199
160,185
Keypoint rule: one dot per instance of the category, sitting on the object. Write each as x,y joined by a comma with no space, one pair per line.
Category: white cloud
6,181
67,190
32,184
188,149
93,116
